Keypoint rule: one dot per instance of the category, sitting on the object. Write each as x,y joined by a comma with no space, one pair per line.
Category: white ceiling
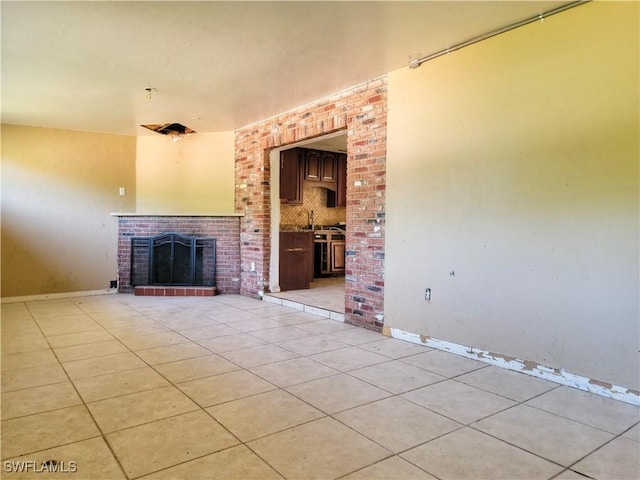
217,66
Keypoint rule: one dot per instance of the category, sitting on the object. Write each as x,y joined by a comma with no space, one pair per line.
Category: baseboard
529,368
53,296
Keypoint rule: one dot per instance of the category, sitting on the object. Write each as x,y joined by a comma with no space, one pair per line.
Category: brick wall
362,112
226,231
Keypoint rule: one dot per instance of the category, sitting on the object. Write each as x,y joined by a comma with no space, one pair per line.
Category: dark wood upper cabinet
320,166
291,163
328,167
312,165
338,198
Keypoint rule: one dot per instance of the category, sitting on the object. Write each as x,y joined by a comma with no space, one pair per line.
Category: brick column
362,112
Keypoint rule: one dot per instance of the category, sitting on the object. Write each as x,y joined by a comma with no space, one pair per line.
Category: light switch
123,191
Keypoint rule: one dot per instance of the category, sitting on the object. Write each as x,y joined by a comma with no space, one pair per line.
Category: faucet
311,221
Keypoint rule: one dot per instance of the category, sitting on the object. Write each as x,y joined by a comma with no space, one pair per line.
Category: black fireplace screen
173,259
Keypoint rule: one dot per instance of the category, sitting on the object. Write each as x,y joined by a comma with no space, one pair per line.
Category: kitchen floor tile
172,353
193,368
473,455
394,348
165,443
137,408
633,433
619,459
229,343
64,324
312,344
32,377
225,387
88,459
259,323
20,342
91,367
24,435
584,407
325,326
186,321
569,475
119,383
304,451
235,463
460,402
545,434
267,310
290,372
394,468
337,392
143,342
350,358
208,331
443,363
507,383
396,377
260,415
81,338
19,361
280,334
346,404
357,336
297,318
38,399
126,329
89,350
396,424
258,355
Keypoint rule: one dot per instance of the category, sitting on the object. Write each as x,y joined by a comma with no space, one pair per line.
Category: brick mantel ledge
125,214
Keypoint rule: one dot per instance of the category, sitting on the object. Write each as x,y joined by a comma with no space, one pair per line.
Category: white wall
195,175
514,164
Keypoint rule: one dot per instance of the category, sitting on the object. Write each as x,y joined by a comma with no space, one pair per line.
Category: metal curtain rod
419,61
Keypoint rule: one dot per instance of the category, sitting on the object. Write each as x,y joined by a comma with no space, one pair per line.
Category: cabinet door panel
312,165
296,260
337,256
290,176
338,198
328,167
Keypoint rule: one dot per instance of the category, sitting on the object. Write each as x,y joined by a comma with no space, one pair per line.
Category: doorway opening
316,212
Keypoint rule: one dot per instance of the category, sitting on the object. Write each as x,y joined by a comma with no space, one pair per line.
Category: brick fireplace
225,230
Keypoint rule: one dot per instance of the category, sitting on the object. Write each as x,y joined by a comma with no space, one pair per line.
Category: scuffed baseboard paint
529,368
53,296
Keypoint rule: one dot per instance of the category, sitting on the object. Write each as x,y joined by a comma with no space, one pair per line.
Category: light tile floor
326,293
118,386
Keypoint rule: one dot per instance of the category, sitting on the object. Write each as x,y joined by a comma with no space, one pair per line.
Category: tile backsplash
314,198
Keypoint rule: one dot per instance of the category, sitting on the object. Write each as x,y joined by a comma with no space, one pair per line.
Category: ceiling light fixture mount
149,92
175,130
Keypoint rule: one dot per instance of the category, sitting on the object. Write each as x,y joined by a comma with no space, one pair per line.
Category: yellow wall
514,164
58,189
195,175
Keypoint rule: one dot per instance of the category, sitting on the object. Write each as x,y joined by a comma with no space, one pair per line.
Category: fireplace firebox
172,259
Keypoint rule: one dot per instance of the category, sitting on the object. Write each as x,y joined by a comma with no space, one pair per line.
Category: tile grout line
84,404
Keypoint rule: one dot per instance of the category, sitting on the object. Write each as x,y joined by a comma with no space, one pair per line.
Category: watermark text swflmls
48,466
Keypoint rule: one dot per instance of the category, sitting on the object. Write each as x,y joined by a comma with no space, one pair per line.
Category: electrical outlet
427,295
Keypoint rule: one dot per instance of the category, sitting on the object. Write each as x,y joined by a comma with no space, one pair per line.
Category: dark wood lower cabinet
296,260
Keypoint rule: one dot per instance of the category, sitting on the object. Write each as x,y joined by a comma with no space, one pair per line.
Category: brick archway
362,111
